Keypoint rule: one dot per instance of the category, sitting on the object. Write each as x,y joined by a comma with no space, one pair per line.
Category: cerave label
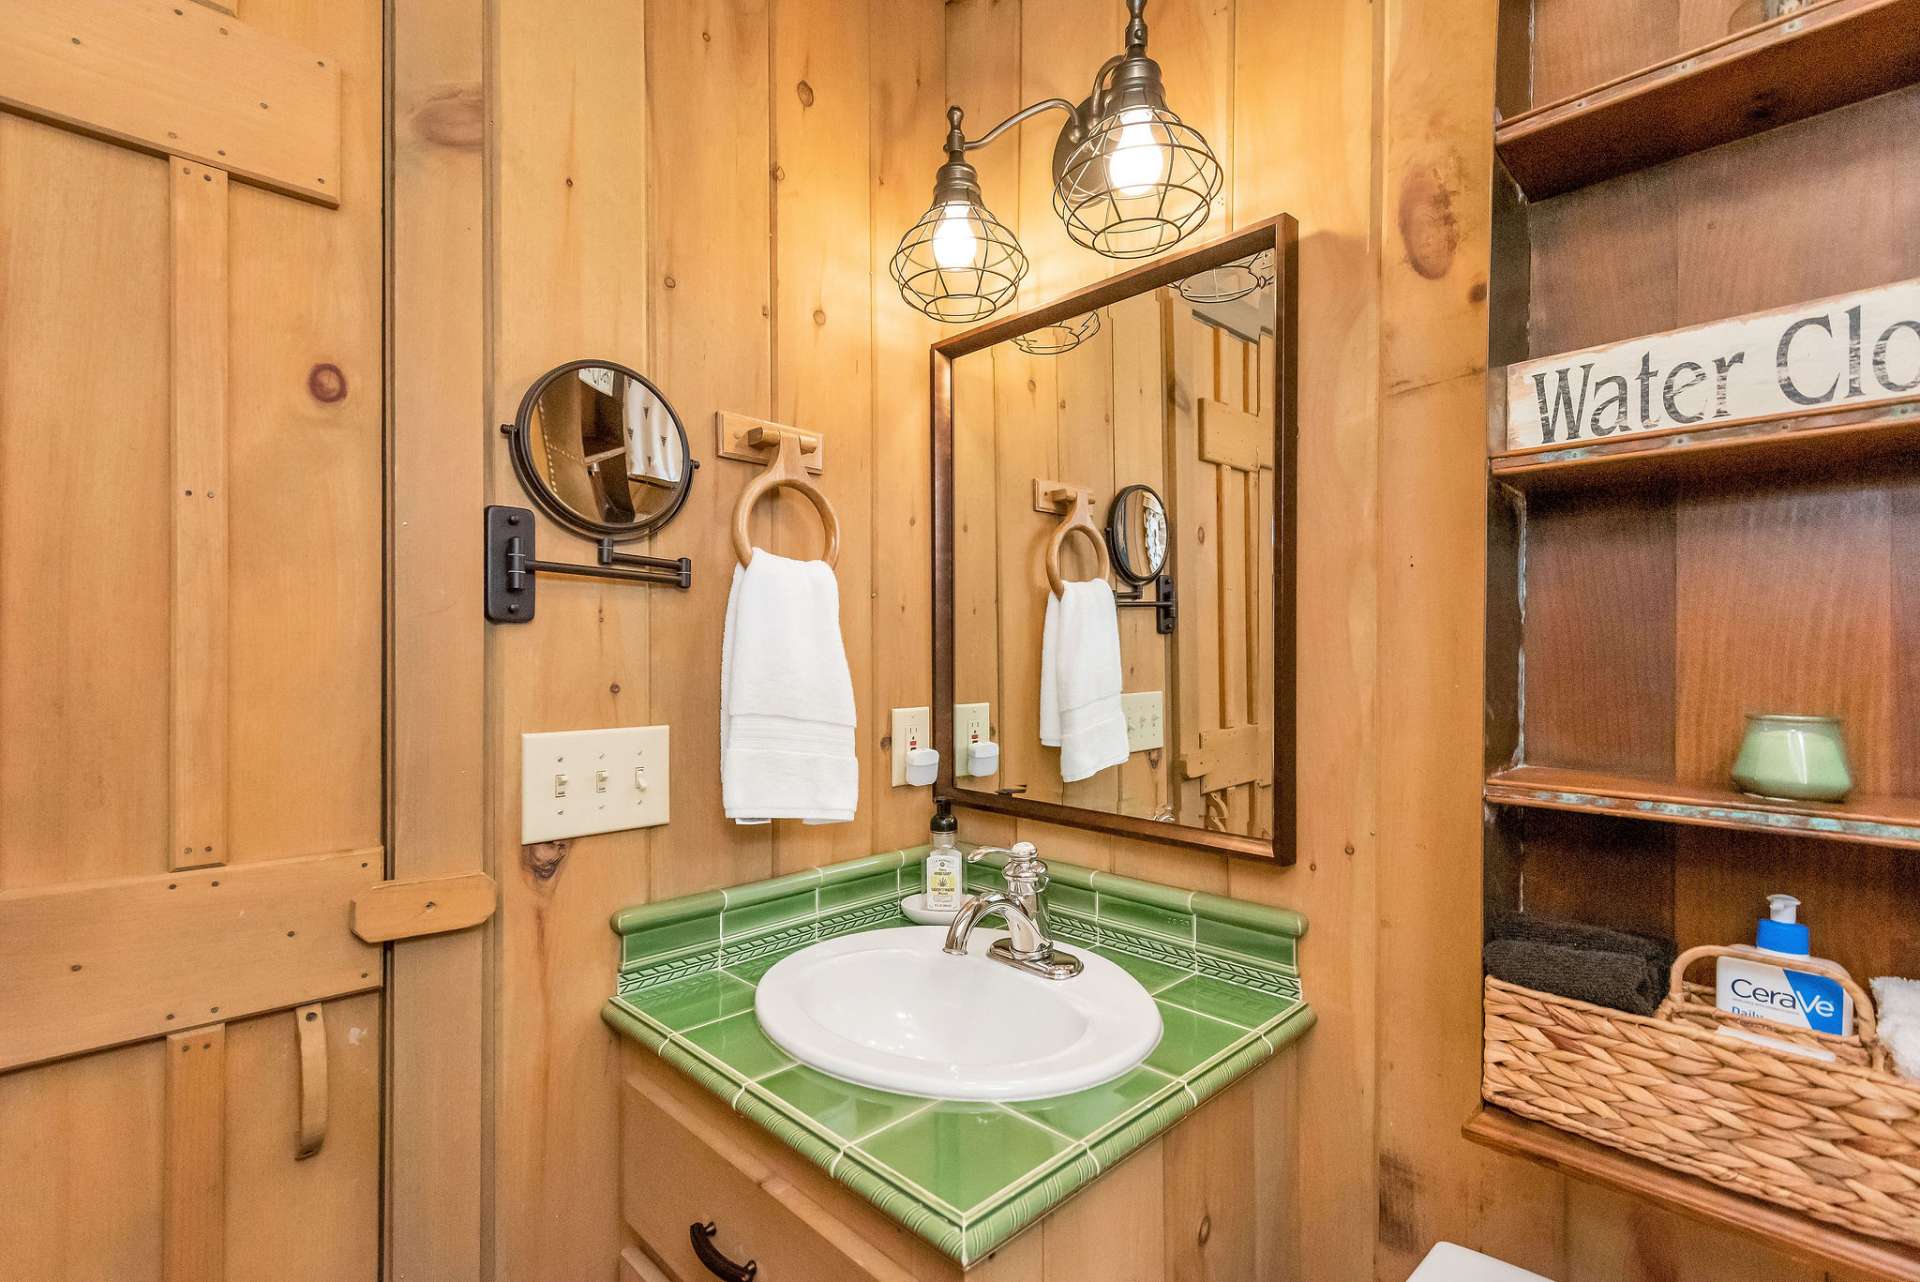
1835,353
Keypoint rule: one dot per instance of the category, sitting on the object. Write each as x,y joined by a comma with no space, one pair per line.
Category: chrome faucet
1023,906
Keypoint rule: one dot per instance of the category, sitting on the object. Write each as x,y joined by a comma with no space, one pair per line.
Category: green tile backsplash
965,1176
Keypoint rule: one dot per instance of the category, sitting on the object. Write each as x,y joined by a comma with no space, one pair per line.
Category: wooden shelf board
1880,821
1825,56
1754,447
1790,1232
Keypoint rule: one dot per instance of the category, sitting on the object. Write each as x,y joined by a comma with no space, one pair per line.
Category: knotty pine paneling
572,275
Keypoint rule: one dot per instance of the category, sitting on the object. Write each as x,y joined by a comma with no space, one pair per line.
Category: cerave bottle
1778,990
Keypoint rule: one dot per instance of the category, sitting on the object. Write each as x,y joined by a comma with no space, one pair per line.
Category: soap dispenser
943,865
1770,986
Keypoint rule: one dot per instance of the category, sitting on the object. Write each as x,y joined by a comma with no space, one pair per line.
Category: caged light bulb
954,244
1137,162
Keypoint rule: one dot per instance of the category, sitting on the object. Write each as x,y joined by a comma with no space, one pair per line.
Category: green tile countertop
966,1176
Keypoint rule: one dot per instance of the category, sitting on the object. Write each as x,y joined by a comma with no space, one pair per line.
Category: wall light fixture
1129,179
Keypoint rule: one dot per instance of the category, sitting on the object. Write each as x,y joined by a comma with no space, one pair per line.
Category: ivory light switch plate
1146,715
912,728
576,782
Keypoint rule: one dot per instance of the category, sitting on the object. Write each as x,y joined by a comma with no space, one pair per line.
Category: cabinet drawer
677,1171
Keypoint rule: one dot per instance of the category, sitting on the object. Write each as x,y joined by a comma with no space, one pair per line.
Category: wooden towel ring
787,469
1079,519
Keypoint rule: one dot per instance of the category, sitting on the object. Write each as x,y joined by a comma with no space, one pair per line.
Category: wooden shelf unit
1647,590
1825,56
1793,1234
1875,821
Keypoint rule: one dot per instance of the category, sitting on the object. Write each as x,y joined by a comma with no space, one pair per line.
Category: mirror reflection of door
1173,397
606,446
1220,460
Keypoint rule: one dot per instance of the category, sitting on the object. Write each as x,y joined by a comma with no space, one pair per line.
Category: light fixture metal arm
958,143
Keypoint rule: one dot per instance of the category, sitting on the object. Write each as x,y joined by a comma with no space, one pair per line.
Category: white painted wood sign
1837,353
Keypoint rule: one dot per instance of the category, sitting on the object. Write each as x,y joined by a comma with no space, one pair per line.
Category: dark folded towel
1587,963
1619,981
1571,934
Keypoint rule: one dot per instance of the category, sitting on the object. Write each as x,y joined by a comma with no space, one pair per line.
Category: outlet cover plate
577,782
912,728
970,726
1146,714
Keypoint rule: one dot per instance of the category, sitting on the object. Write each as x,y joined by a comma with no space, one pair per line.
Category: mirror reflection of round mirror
600,450
1137,533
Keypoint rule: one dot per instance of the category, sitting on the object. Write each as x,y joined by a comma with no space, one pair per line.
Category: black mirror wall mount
511,566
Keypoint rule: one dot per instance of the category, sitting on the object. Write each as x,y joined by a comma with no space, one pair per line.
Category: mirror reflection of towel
1080,711
653,447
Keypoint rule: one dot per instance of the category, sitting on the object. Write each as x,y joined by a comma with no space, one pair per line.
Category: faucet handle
1020,852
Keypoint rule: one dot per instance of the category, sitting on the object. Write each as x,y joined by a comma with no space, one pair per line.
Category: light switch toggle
559,785
599,781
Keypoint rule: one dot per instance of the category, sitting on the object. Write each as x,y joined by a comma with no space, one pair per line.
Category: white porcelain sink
889,1009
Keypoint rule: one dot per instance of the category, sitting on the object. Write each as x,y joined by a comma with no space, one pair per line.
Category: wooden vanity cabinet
1186,1204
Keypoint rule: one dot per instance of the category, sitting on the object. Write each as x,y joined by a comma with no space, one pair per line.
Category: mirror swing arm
1280,235
1164,602
511,565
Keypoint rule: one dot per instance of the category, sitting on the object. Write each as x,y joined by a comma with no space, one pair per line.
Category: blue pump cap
1779,931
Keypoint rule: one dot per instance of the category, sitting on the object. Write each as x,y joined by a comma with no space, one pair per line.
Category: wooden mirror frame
1281,235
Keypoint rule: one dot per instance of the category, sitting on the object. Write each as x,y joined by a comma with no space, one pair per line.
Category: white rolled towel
1899,1004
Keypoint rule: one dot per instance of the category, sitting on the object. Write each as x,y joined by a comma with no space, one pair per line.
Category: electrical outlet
912,728
969,727
576,782
1146,715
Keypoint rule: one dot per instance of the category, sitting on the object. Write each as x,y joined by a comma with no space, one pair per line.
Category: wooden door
190,638
1221,468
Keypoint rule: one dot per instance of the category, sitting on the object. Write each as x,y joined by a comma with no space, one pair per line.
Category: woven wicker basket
1838,1141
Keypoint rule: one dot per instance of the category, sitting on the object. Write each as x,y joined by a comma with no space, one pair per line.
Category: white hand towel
786,696
1080,711
1899,1003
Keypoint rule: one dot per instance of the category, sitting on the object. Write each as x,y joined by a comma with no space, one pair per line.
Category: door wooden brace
311,1028
197,811
426,906
193,1220
1234,438
1228,758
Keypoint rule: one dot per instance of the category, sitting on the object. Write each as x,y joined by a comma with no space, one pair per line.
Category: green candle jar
1791,758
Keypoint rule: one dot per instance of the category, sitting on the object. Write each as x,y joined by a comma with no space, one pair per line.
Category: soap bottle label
943,882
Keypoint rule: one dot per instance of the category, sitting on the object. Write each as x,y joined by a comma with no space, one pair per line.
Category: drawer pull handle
717,1264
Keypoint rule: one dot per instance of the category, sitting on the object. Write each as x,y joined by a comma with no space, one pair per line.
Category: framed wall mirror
1114,508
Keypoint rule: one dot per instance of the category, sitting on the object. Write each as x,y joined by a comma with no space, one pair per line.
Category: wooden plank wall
708,191
1286,92
711,191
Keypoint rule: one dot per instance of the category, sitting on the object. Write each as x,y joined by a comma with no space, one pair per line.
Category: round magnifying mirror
1137,533
601,451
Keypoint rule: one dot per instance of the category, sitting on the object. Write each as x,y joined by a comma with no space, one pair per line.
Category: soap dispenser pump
1765,983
